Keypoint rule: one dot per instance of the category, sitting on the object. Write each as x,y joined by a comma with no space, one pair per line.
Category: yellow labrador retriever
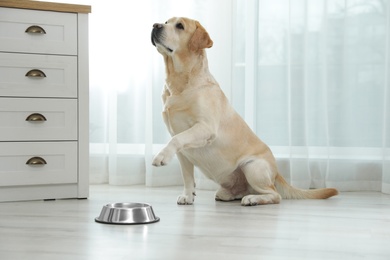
207,132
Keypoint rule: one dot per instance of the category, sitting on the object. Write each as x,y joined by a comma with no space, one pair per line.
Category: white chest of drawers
43,101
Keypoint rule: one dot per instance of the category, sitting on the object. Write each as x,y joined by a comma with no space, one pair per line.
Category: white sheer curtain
316,79
310,77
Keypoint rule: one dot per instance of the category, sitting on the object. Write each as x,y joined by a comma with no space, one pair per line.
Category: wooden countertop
46,6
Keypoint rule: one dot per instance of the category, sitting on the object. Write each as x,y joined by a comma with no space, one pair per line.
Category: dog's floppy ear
200,39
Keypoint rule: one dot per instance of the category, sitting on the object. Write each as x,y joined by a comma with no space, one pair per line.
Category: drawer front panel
36,163
31,75
47,32
34,119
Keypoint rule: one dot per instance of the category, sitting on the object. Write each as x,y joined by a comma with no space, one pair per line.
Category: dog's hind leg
224,194
233,188
187,171
260,178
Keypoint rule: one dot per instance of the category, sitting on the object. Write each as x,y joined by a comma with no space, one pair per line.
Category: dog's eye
180,26
166,22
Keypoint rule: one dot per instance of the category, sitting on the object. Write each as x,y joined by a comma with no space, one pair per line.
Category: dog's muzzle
156,35
156,32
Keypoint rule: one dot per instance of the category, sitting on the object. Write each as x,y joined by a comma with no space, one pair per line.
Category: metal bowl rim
117,205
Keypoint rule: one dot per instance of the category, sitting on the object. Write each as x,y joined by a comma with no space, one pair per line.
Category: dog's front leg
197,136
187,171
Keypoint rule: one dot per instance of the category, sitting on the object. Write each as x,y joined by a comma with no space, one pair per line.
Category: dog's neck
182,71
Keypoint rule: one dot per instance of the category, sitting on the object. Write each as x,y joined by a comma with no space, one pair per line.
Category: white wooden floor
349,226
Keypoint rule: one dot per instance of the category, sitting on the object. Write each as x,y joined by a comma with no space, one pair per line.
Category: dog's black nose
157,26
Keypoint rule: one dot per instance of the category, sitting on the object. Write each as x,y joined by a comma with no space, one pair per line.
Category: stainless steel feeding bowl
127,213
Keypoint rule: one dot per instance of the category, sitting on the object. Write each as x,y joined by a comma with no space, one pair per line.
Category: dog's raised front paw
158,160
163,157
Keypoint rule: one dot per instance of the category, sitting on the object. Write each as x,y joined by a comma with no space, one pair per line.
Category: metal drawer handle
35,29
35,73
36,161
36,117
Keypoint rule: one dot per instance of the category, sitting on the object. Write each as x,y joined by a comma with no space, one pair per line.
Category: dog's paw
186,199
159,160
253,200
250,200
163,157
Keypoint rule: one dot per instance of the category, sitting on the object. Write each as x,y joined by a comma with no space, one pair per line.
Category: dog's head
180,35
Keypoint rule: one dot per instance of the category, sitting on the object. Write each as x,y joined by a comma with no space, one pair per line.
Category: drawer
34,31
35,119
34,163
33,75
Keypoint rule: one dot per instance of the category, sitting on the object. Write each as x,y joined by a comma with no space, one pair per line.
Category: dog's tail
289,192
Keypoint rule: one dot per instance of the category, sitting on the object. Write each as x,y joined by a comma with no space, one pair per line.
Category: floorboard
350,226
